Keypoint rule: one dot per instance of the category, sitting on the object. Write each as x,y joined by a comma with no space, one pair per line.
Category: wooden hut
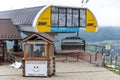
38,57
8,31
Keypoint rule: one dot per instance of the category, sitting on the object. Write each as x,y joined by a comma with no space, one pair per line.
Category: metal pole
111,60
104,58
77,56
115,61
102,50
96,56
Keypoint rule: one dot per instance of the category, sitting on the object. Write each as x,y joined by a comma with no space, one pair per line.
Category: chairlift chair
73,43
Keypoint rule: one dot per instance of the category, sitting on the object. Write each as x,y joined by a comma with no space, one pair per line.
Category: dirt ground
65,70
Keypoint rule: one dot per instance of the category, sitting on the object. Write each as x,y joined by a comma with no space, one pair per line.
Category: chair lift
73,43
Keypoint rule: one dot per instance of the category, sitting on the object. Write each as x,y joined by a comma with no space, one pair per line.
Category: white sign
35,68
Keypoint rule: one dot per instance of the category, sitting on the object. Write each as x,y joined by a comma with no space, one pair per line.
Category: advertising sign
35,68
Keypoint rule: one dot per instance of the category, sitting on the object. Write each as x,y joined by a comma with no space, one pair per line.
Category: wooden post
23,70
5,51
54,66
25,50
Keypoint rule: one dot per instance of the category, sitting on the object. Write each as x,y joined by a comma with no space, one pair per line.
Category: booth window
62,16
54,16
36,50
82,17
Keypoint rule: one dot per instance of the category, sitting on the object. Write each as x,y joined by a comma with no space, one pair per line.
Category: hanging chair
73,43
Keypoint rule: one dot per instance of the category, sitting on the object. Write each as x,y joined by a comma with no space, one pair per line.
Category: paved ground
65,71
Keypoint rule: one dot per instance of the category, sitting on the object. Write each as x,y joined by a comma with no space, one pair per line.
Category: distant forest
103,33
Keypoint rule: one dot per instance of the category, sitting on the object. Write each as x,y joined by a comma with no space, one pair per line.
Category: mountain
103,33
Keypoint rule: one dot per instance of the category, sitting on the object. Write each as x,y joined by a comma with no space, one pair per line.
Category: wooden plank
25,50
19,54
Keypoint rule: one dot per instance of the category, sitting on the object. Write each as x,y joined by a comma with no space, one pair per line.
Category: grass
116,70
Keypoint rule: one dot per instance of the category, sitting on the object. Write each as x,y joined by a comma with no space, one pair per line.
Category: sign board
35,68
107,47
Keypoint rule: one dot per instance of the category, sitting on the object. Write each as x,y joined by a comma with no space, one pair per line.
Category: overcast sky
107,12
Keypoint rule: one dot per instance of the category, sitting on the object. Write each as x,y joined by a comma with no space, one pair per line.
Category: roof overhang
43,36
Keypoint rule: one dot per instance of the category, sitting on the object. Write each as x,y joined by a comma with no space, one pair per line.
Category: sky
107,12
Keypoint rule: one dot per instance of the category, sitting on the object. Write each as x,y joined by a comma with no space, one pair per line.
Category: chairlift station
40,24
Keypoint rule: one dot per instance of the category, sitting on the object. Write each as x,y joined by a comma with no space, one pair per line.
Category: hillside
103,33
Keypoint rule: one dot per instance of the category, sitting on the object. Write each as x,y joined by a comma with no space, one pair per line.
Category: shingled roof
8,31
44,36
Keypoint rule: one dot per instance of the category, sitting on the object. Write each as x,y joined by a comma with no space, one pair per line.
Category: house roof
8,31
44,36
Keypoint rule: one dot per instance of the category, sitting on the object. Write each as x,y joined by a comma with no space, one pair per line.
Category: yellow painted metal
91,22
43,22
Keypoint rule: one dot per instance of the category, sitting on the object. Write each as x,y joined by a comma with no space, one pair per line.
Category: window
75,17
69,17
54,16
62,16
35,50
82,17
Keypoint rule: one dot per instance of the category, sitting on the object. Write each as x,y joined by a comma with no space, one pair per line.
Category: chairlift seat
73,43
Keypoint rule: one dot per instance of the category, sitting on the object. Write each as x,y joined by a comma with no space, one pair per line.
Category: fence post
77,56
104,58
90,58
96,57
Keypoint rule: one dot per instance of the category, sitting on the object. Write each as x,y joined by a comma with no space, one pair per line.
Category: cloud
106,11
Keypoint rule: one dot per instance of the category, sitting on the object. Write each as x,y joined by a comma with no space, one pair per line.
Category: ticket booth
39,60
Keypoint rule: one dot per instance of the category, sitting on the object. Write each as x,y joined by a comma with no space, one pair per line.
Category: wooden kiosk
39,57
